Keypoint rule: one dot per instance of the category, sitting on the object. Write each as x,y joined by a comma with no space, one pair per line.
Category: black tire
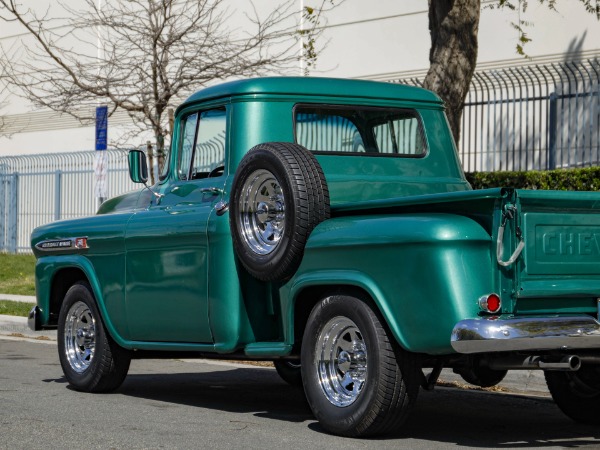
80,329
577,394
481,376
269,236
289,371
366,391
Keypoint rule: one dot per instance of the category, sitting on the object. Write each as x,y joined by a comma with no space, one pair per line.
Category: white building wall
383,39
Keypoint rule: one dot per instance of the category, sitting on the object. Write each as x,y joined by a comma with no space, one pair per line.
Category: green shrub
587,179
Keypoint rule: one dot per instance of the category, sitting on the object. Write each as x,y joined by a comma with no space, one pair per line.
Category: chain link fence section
538,117
39,189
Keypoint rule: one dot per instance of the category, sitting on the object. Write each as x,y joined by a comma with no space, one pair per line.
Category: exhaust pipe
570,363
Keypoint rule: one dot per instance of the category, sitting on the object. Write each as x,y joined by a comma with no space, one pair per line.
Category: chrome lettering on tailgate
562,243
566,242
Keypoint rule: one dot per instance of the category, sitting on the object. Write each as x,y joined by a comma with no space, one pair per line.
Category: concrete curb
527,382
18,298
13,326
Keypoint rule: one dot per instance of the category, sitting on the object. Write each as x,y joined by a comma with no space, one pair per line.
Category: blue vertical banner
101,127
101,159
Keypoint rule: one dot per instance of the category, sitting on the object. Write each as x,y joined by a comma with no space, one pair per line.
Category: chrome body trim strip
509,333
66,244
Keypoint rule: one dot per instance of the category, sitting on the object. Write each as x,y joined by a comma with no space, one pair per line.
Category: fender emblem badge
81,242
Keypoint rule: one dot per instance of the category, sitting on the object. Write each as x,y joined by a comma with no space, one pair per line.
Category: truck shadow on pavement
257,391
445,415
494,420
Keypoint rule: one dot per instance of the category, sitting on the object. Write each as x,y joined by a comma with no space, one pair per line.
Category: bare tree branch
142,56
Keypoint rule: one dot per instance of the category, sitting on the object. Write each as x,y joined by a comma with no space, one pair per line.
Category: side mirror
138,167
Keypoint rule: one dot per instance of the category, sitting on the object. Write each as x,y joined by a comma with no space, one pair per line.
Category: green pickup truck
326,225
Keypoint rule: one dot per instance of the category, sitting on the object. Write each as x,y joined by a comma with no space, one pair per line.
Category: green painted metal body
408,232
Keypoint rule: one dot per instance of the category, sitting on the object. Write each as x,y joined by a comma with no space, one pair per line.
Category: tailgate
561,255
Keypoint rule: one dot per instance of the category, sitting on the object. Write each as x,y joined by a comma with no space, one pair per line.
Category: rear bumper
508,334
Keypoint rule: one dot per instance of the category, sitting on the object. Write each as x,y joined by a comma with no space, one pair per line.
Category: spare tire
279,195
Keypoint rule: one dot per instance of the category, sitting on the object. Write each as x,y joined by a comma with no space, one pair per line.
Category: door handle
211,190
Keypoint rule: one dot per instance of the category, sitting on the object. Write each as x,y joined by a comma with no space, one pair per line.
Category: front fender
47,267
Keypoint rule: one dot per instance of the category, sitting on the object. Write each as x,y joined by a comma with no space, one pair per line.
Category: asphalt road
192,404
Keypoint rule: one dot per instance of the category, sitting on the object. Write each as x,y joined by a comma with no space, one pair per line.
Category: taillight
490,303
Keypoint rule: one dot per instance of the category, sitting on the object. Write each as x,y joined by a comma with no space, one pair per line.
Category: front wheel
356,379
577,394
90,359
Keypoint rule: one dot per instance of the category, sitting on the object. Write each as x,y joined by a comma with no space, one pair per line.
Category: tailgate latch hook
508,214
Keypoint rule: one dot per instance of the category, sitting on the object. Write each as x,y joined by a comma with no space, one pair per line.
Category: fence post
57,194
552,106
13,214
3,215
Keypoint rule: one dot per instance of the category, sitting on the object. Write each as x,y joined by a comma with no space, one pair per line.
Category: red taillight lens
490,303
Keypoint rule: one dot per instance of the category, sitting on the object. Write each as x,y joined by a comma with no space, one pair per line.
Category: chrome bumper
509,334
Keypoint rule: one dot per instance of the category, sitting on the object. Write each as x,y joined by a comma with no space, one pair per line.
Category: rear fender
424,272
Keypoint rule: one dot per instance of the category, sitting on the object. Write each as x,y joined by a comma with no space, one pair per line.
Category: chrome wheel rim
341,361
80,337
262,212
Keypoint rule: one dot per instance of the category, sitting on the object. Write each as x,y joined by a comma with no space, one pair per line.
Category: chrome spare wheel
341,355
262,212
79,337
278,196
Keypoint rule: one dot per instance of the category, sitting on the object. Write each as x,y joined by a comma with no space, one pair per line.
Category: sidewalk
18,298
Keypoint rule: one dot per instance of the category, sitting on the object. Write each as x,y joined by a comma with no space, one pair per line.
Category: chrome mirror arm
155,194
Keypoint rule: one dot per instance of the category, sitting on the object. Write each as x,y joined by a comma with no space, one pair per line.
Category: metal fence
535,117
38,189
518,118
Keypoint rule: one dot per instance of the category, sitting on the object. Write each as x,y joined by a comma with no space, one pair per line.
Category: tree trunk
453,25
160,153
150,153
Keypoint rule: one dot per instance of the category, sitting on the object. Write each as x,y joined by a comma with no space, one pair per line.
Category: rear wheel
577,394
90,359
356,380
481,376
289,371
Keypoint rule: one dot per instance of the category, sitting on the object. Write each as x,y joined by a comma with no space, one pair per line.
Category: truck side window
203,144
188,136
209,153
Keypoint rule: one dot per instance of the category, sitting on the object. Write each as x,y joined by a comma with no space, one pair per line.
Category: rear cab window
361,130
